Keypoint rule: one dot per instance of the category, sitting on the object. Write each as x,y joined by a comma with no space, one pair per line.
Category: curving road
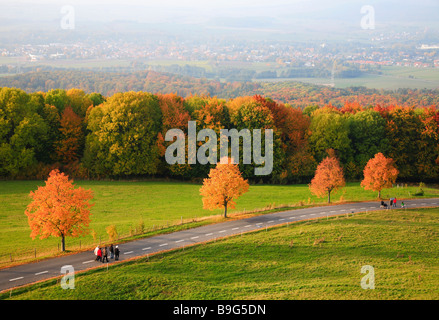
38,271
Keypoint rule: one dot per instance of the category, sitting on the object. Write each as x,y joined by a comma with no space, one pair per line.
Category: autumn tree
224,185
379,173
68,148
328,177
59,209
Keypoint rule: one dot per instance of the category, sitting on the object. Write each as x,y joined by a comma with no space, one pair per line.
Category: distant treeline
92,136
294,93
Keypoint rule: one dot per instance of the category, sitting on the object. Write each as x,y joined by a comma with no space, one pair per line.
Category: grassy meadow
316,259
128,204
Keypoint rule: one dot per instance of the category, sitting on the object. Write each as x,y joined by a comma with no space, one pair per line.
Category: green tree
123,135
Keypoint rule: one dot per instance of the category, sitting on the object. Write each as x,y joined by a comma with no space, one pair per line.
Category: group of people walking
102,253
392,204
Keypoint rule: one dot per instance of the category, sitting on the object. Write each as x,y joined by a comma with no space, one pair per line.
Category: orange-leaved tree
59,209
224,185
379,173
328,177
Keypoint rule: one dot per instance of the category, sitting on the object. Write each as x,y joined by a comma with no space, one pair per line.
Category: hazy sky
279,12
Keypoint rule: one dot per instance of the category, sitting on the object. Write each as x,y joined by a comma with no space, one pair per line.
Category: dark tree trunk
63,243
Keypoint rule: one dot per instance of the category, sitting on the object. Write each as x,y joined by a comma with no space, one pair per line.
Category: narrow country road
33,272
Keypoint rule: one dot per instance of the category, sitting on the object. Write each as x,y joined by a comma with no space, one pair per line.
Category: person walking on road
394,202
99,255
105,255
116,253
96,252
111,251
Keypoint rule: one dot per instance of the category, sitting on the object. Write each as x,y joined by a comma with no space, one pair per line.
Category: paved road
33,272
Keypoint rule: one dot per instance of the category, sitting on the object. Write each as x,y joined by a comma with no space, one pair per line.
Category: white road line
249,225
146,248
271,221
196,237
342,210
423,204
281,219
163,244
208,234
89,261
222,231
292,218
324,212
42,272
303,215
15,279
235,228
332,211
179,241
128,252
258,223
372,207
312,214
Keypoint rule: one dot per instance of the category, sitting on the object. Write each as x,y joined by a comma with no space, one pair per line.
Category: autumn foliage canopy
224,185
59,209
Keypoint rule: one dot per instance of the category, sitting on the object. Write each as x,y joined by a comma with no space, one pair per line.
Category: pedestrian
116,253
111,251
105,255
394,202
99,256
402,204
96,252
391,202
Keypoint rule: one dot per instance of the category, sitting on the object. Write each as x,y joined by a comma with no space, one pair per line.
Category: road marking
258,223
270,221
312,214
146,248
342,210
42,272
15,279
281,219
208,234
89,261
163,244
222,231
291,217
235,228
372,207
249,225
304,215
179,241
323,212
423,204
332,211
195,237
363,208
128,252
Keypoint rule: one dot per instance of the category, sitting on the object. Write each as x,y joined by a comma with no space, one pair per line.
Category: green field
127,204
317,259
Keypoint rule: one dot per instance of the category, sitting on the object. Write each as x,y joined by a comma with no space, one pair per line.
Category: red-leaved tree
328,177
59,209
379,173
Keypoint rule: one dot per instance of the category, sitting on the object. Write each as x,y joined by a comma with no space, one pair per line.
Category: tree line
92,136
